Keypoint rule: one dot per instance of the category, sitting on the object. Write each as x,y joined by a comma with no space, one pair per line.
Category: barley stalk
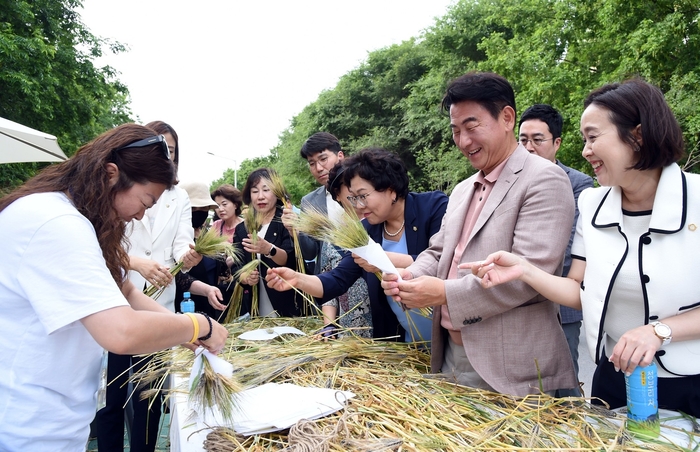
234,309
278,188
397,406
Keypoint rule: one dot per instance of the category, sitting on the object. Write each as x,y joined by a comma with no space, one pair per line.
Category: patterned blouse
353,306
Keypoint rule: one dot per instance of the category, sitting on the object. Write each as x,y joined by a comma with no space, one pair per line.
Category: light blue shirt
418,327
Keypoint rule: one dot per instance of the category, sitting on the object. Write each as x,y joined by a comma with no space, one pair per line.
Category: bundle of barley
211,389
278,188
398,408
209,244
234,305
347,233
253,221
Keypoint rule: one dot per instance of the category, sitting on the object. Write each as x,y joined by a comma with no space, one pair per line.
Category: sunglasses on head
149,142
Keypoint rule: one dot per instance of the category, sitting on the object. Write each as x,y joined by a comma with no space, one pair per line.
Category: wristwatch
273,251
662,331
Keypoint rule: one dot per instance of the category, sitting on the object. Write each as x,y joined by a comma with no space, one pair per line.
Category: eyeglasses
149,142
322,160
359,200
535,141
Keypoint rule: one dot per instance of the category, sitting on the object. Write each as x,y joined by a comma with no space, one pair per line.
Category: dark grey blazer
310,247
579,182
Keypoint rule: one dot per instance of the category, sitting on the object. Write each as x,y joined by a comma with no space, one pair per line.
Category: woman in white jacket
635,254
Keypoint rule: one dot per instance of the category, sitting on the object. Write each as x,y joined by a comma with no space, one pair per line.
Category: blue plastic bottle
187,305
642,401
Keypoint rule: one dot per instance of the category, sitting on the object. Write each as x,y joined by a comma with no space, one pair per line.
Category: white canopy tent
20,143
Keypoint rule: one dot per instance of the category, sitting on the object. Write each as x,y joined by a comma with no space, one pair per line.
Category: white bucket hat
199,194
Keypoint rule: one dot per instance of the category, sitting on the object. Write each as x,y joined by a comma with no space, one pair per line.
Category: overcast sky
229,75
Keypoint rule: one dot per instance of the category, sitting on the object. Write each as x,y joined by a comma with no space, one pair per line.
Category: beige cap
199,194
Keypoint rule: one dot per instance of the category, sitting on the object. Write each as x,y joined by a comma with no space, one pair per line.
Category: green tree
48,80
247,167
552,51
362,110
575,47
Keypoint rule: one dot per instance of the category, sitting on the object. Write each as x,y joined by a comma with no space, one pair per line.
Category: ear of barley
209,244
346,232
349,231
313,223
253,221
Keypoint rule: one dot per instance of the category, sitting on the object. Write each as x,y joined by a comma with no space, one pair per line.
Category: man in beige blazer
508,338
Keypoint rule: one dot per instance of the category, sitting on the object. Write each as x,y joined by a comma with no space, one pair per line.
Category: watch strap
665,338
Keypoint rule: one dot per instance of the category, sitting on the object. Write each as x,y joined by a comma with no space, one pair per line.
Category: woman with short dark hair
402,222
229,200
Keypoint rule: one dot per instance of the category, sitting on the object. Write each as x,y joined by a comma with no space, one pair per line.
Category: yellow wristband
196,326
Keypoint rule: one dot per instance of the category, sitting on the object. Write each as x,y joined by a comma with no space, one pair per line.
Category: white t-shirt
52,274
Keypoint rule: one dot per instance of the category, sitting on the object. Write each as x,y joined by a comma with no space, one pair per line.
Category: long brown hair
84,178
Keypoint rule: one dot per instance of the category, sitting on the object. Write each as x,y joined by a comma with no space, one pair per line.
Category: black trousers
677,394
109,422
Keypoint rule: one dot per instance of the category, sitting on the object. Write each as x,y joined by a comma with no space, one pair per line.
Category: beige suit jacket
510,330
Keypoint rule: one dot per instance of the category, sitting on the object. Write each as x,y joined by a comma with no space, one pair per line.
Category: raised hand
281,278
498,268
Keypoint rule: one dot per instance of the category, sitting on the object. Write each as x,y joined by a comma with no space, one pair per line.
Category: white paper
265,334
273,407
220,366
375,255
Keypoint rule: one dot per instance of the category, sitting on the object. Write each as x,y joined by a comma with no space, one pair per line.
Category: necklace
395,233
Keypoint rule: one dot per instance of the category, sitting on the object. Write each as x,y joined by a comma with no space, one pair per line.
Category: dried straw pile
397,408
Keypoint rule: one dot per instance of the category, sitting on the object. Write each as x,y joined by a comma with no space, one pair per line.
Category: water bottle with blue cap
187,305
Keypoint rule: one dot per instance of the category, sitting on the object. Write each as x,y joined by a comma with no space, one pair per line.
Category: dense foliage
48,80
552,51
